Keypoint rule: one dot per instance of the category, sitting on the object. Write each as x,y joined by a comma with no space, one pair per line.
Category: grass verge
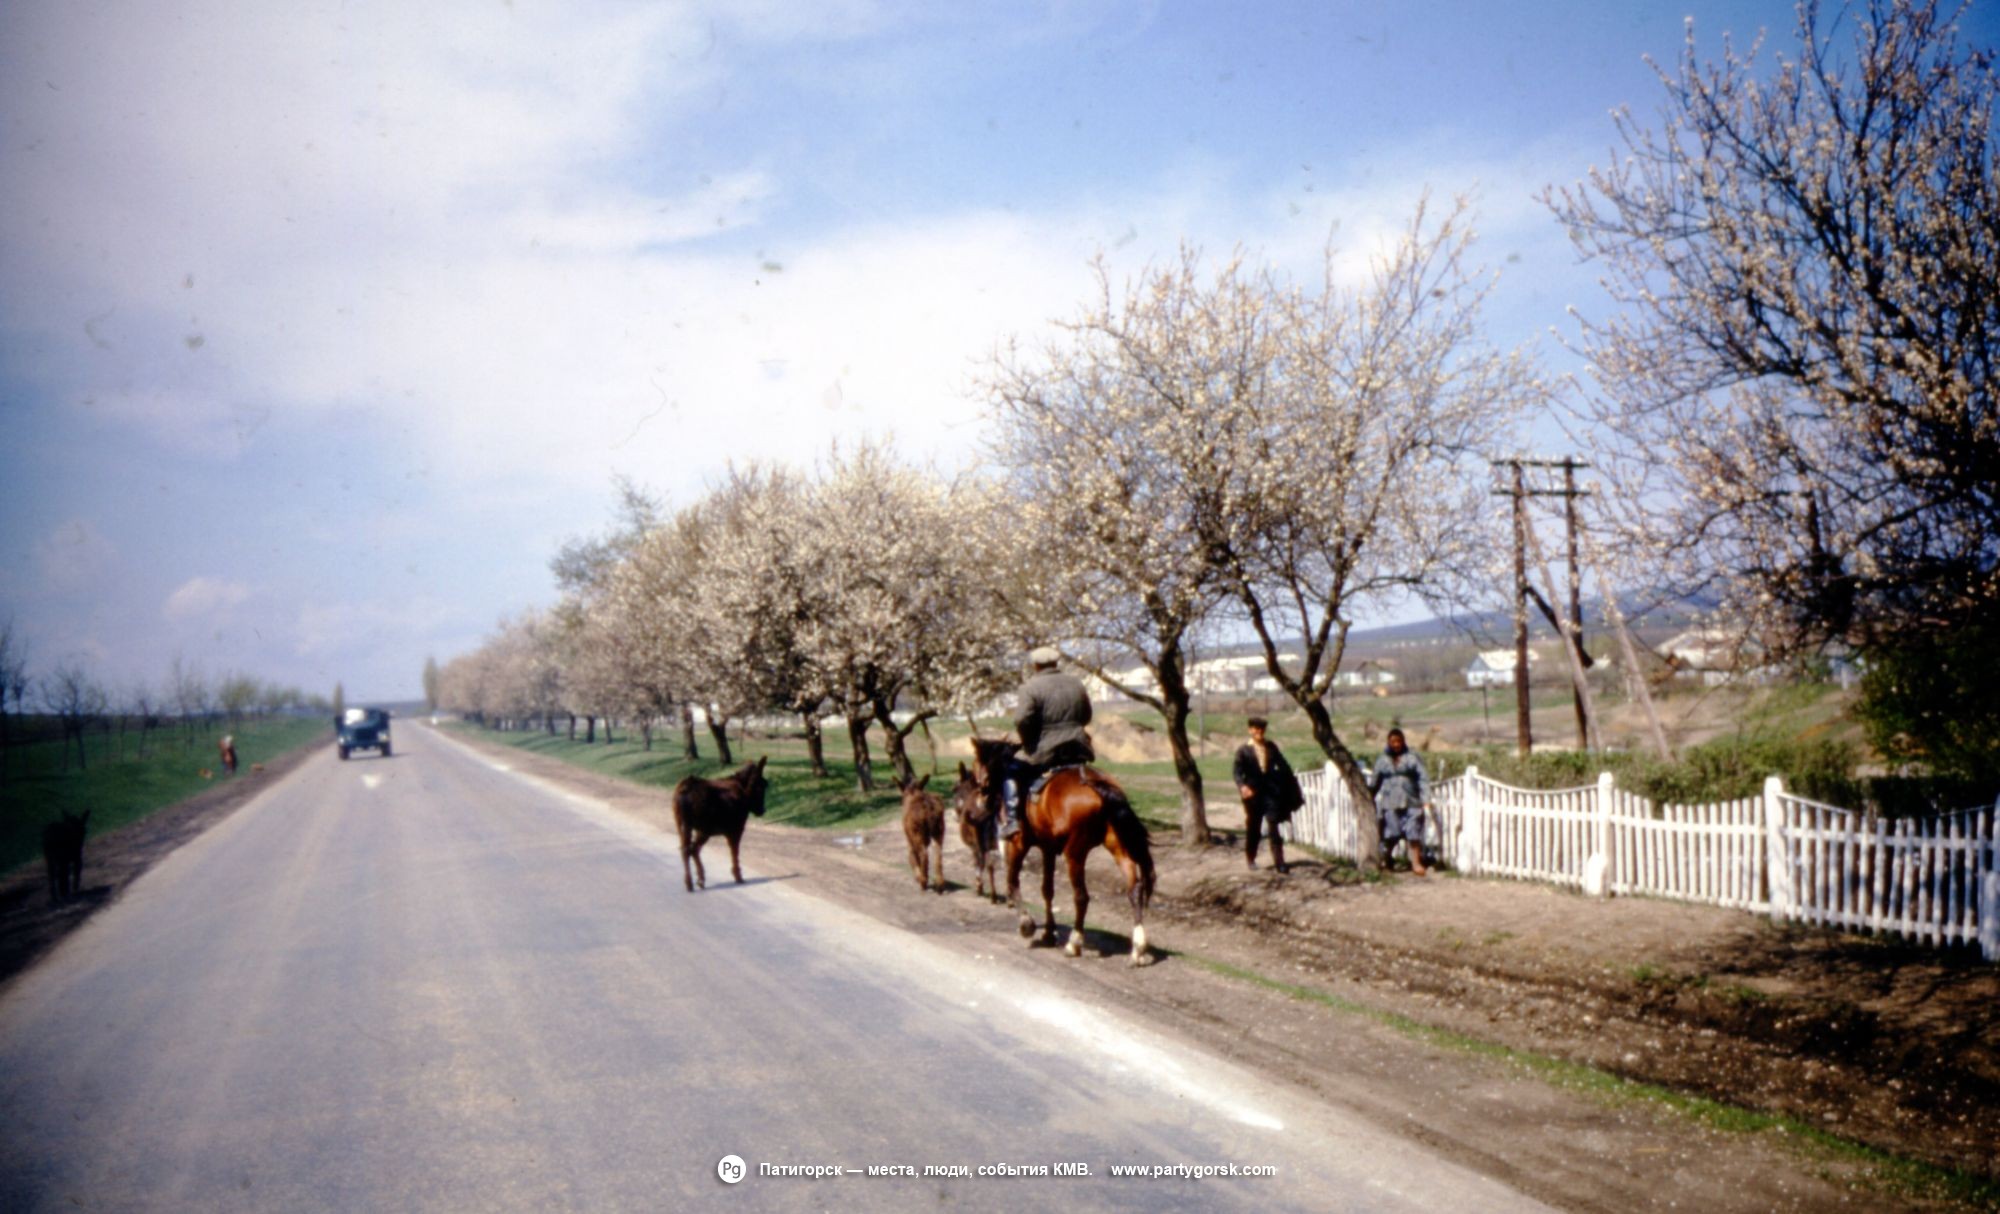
796,796
119,787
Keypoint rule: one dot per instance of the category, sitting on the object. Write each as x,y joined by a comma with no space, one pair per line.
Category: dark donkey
1077,810
923,827
706,808
979,826
62,851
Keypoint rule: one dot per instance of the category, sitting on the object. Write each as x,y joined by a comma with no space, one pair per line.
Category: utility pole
1524,726
1569,493
1571,631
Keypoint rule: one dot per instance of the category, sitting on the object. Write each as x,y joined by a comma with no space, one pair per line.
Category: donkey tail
683,799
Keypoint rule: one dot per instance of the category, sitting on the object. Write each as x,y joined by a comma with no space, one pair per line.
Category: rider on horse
1054,709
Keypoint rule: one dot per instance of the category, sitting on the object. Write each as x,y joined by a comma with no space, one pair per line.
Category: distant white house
1715,656
1230,674
1494,668
1370,673
1139,678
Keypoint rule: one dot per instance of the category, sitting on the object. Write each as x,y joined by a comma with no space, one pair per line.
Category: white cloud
199,599
401,215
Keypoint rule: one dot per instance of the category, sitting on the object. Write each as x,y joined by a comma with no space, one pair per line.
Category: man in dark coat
1269,790
1054,710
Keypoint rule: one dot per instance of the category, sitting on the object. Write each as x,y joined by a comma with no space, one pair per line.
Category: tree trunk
608,721
815,744
689,750
1368,845
1174,705
572,727
864,767
589,730
718,728
893,746
646,731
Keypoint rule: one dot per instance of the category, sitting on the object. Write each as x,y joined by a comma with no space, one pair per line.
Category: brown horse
1077,809
979,828
923,827
705,808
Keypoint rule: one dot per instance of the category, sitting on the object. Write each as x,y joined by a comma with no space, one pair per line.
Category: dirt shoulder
1510,1026
30,925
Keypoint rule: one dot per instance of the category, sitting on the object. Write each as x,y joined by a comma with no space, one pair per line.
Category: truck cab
363,729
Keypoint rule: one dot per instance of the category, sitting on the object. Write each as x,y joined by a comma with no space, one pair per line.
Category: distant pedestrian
229,753
1269,790
1402,794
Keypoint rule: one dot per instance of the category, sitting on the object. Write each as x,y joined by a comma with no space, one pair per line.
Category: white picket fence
1936,879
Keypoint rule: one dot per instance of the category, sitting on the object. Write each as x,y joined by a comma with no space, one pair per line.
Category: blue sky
323,324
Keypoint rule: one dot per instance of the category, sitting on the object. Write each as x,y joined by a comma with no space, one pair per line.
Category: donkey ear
761,762
963,775
919,785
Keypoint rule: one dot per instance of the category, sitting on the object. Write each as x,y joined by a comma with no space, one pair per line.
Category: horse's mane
992,752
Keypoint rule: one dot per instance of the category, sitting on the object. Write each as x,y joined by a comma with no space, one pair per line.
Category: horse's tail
1132,835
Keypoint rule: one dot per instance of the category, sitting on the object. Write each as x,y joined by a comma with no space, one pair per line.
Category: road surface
429,982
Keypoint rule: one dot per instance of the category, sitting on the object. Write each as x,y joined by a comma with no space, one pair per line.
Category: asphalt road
428,982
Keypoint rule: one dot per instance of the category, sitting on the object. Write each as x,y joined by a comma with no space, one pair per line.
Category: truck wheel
343,753
385,750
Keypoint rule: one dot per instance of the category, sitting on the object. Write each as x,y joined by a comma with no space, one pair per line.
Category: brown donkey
979,827
706,808
923,826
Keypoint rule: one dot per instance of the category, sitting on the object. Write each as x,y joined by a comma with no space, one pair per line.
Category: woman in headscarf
1402,793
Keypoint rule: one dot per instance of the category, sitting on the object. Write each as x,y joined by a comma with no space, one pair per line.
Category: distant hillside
1652,617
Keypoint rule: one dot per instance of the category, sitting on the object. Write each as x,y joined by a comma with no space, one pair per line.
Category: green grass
120,784
796,796
1879,1169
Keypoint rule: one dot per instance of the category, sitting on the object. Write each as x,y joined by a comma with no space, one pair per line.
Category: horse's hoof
1075,946
1027,928
1139,959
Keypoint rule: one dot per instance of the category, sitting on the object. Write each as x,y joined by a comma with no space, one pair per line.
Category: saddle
1014,815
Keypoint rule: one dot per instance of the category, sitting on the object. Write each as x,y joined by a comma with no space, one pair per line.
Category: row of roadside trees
70,694
1792,405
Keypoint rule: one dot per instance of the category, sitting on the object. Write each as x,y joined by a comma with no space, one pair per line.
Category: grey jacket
1400,783
1054,710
